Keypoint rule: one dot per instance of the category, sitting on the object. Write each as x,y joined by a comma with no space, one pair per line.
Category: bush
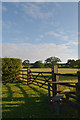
10,69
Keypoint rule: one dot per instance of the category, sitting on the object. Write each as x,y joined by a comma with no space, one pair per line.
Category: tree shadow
28,106
28,102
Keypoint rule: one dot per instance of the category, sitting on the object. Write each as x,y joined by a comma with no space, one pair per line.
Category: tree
71,63
77,63
38,64
52,61
26,62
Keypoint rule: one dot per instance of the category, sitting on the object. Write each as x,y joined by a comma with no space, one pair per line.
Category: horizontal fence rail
75,95
50,82
71,75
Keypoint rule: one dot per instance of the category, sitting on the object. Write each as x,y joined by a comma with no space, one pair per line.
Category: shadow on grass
28,102
31,105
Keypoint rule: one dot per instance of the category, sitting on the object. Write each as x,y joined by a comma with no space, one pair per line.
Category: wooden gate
41,79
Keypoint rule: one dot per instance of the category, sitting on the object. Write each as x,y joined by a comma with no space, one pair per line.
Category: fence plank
49,92
78,86
57,76
54,87
66,74
41,72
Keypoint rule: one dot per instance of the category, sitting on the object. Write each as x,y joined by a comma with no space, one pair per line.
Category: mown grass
60,70
22,101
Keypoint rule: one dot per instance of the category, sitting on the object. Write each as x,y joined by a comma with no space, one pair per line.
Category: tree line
49,62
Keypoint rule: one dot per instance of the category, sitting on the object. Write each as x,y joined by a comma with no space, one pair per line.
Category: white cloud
0,49
60,35
39,38
38,51
72,43
20,40
11,0
35,11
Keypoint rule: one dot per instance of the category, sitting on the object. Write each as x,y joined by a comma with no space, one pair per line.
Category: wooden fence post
57,77
27,76
54,79
49,92
78,86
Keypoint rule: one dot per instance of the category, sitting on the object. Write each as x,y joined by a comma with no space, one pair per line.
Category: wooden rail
74,95
50,82
71,75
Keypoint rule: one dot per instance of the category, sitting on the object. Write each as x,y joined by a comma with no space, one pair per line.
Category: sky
38,30
79,30
40,0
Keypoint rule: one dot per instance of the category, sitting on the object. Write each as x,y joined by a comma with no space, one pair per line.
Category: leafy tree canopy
26,62
38,64
52,60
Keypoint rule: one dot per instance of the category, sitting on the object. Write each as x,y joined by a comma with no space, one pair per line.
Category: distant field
61,78
60,70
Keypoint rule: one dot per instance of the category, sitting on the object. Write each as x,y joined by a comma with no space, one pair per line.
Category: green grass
60,70
61,78
22,101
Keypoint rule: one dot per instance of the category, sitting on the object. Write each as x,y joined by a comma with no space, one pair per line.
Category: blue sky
36,31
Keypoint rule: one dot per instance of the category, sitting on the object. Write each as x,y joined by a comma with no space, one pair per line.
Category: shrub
10,69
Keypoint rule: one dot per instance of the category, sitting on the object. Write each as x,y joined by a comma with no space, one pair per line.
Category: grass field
60,70
61,78
22,101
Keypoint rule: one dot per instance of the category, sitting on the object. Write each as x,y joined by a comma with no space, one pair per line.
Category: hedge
10,69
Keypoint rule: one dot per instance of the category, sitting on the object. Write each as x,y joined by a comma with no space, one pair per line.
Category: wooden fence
38,78
72,97
50,81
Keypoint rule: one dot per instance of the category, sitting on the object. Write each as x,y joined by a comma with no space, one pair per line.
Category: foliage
10,68
52,61
73,63
38,64
77,63
0,68
26,63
